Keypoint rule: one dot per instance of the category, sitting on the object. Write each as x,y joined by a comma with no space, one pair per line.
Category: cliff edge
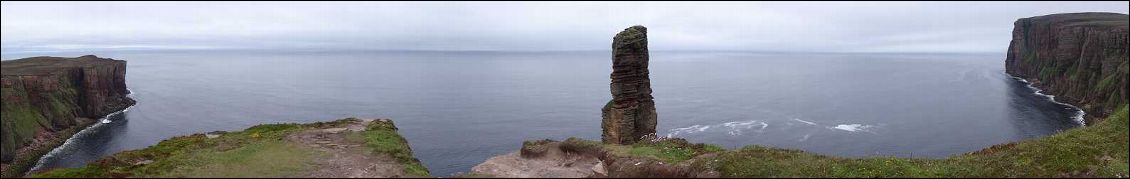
48,99
346,148
1081,58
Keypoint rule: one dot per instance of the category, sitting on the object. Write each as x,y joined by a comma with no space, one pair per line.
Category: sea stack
630,115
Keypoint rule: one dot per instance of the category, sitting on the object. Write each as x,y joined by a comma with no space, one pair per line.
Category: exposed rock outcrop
47,99
1081,58
577,158
540,159
631,113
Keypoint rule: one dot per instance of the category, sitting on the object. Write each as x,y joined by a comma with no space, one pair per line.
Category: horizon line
12,51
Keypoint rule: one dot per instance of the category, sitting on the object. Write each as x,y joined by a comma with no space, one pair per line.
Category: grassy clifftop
1080,58
1099,150
342,148
1096,151
305,150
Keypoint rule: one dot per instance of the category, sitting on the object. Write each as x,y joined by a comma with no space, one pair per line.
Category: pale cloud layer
523,26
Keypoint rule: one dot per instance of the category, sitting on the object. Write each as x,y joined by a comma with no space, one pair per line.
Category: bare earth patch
553,164
345,158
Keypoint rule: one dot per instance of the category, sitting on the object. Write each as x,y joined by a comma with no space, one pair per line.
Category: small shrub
581,146
531,149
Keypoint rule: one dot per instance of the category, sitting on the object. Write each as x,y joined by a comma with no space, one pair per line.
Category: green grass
24,128
1124,67
24,162
1107,83
714,148
21,121
1100,150
667,150
756,161
581,146
267,159
1095,151
1048,72
1115,98
183,156
259,151
664,152
382,137
1073,74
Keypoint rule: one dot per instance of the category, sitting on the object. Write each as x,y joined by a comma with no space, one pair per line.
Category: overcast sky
523,26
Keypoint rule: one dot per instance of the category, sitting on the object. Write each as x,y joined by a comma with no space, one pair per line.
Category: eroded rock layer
631,113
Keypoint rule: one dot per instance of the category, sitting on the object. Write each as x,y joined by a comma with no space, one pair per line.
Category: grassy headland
270,150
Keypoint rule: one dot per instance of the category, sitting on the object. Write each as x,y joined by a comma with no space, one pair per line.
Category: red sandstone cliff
1081,58
47,99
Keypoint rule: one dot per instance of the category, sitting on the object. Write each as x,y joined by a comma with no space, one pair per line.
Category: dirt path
343,157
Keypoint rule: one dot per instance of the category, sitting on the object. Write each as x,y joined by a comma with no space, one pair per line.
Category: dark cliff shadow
1034,115
88,145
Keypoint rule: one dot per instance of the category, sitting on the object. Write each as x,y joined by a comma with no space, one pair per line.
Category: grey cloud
524,26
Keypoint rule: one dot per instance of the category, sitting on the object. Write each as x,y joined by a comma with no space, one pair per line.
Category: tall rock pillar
631,113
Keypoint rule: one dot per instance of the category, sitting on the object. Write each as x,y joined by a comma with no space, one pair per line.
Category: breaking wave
853,127
1079,113
737,128
70,141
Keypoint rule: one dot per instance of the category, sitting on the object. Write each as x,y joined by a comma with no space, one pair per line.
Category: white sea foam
733,128
70,141
852,127
1079,113
687,130
737,126
806,122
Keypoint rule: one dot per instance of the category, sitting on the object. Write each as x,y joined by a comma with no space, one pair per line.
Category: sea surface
458,109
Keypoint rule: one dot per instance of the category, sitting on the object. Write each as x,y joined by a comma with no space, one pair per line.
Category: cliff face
631,113
1081,58
45,96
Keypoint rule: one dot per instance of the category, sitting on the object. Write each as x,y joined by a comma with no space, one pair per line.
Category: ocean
458,109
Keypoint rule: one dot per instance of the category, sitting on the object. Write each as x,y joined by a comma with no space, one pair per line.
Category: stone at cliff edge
631,113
